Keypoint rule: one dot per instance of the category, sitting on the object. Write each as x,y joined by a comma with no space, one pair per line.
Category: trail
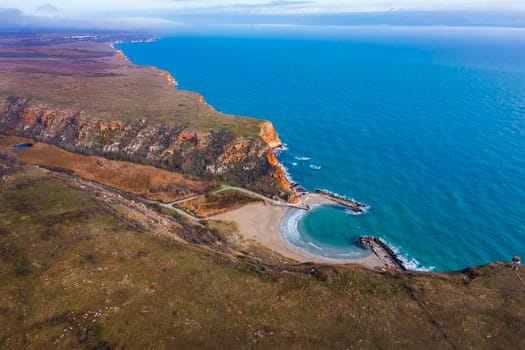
260,196
197,221
193,219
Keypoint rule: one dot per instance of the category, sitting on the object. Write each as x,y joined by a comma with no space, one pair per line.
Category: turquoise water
429,130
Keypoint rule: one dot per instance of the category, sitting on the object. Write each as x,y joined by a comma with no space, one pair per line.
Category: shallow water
317,232
21,147
428,130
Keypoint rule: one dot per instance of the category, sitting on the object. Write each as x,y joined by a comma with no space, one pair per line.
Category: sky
76,8
176,14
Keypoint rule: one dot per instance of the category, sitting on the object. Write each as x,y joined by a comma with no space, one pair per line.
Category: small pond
21,147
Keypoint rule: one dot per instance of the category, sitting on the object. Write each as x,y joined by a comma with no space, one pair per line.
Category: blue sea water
429,130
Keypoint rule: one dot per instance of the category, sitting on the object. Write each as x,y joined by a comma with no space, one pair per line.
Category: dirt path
260,196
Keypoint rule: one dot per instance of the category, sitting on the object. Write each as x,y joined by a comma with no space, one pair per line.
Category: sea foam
289,225
408,262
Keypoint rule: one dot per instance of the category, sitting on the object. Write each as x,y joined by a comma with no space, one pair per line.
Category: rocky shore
383,252
355,207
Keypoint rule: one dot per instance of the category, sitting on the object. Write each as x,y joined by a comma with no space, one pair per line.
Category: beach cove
426,129
276,227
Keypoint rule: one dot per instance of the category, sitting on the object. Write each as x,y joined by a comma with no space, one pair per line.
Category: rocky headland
86,97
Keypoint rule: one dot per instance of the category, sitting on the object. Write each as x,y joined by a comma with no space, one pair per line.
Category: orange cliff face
120,55
168,77
270,136
29,114
187,137
272,159
110,126
280,174
247,160
34,114
45,118
235,153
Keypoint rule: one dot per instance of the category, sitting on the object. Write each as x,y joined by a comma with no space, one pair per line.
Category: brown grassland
71,75
216,203
147,181
73,276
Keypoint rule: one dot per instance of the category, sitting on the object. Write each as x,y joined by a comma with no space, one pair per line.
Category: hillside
81,269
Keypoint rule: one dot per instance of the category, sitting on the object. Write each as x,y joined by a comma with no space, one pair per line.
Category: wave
408,262
337,194
316,167
291,235
346,255
353,213
302,158
315,246
289,226
294,163
278,150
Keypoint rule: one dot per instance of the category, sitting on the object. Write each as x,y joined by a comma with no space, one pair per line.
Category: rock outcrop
215,154
269,135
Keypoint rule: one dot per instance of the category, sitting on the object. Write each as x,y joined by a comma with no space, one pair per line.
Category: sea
425,125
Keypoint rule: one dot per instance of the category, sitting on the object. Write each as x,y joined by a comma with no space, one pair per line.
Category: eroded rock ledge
214,154
87,97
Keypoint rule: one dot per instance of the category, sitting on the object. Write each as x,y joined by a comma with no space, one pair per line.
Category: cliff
90,99
212,154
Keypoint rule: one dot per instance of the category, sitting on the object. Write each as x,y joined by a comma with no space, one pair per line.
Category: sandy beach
262,223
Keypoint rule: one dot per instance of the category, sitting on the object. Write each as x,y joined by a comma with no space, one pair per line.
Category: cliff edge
87,97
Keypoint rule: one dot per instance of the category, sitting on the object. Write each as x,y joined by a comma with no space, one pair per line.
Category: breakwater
383,252
354,206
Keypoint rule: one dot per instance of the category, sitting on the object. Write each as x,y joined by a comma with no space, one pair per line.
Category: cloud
273,7
220,17
286,3
131,23
244,15
14,19
11,18
47,9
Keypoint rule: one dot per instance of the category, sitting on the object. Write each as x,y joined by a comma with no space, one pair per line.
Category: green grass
73,276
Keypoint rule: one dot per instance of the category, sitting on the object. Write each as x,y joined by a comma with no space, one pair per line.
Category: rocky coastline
214,148
211,153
